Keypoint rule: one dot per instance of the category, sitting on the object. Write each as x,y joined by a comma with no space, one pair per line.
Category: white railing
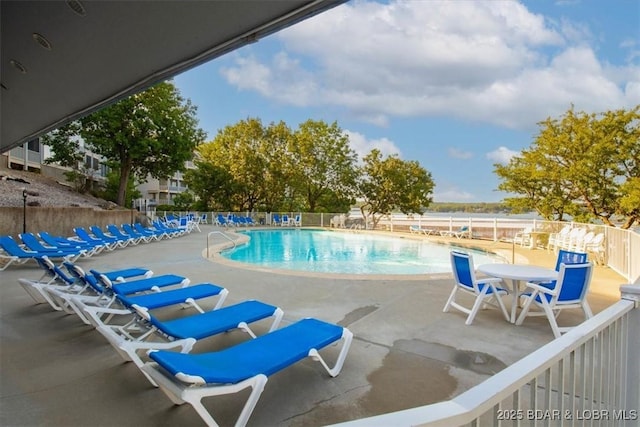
588,376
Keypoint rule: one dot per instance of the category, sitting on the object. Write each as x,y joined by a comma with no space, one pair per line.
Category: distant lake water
531,215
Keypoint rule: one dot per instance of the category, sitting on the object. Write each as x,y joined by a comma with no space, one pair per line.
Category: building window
34,145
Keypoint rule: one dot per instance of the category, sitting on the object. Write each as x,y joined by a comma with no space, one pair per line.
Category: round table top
518,272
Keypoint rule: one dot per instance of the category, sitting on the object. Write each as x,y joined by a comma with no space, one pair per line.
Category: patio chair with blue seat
483,290
566,257
189,378
569,292
275,219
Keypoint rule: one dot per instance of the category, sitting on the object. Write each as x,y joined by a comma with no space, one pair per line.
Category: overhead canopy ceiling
64,59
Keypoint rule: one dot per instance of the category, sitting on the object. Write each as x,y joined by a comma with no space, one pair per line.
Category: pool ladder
223,235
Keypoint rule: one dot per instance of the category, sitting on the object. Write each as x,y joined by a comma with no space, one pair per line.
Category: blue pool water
322,251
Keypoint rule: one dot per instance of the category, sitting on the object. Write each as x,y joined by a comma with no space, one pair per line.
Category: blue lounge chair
121,242
144,237
188,378
183,332
16,254
52,277
34,244
63,242
275,220
106,302
84,236
169,231
222,221
57,287
462,232
150,232
119,234
143,285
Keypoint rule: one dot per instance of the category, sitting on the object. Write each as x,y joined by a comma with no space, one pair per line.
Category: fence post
632,293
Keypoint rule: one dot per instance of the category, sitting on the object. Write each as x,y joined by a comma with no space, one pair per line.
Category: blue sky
457,85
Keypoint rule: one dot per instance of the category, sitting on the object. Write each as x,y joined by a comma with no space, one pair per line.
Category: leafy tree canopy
152,133
389,184
583,165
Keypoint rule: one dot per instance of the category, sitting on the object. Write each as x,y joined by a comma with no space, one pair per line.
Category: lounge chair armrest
542,289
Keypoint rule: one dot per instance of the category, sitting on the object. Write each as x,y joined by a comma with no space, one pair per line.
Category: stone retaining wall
59,221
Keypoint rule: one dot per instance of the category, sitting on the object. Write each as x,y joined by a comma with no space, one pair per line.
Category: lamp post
24,210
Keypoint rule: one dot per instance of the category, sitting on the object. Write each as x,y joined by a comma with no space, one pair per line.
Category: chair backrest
12,247
573,280
53,270
87,279
463,271
32,241
568,257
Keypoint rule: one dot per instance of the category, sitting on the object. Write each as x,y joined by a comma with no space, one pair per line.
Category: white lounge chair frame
192,389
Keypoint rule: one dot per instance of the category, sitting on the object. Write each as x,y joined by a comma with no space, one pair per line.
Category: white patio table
517,274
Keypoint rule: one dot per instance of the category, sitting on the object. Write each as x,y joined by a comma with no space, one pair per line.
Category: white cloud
460,154
493,61
362,146
502,155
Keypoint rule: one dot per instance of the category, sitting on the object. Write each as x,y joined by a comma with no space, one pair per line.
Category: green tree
65,146
152,133
239,150
183,201
112,185
389,184
212,185
322,162
582,165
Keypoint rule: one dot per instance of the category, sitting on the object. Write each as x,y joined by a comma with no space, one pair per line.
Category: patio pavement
406,352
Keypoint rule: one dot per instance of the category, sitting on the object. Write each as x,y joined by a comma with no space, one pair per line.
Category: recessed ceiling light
41,40
77,7
18,66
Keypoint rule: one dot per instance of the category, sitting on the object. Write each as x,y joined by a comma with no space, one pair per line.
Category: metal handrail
223,235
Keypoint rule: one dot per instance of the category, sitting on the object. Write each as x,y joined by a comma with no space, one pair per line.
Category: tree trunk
122,185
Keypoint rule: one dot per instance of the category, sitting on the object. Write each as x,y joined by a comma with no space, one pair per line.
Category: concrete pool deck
406,352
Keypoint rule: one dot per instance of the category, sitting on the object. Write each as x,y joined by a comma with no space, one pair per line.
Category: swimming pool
321,251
